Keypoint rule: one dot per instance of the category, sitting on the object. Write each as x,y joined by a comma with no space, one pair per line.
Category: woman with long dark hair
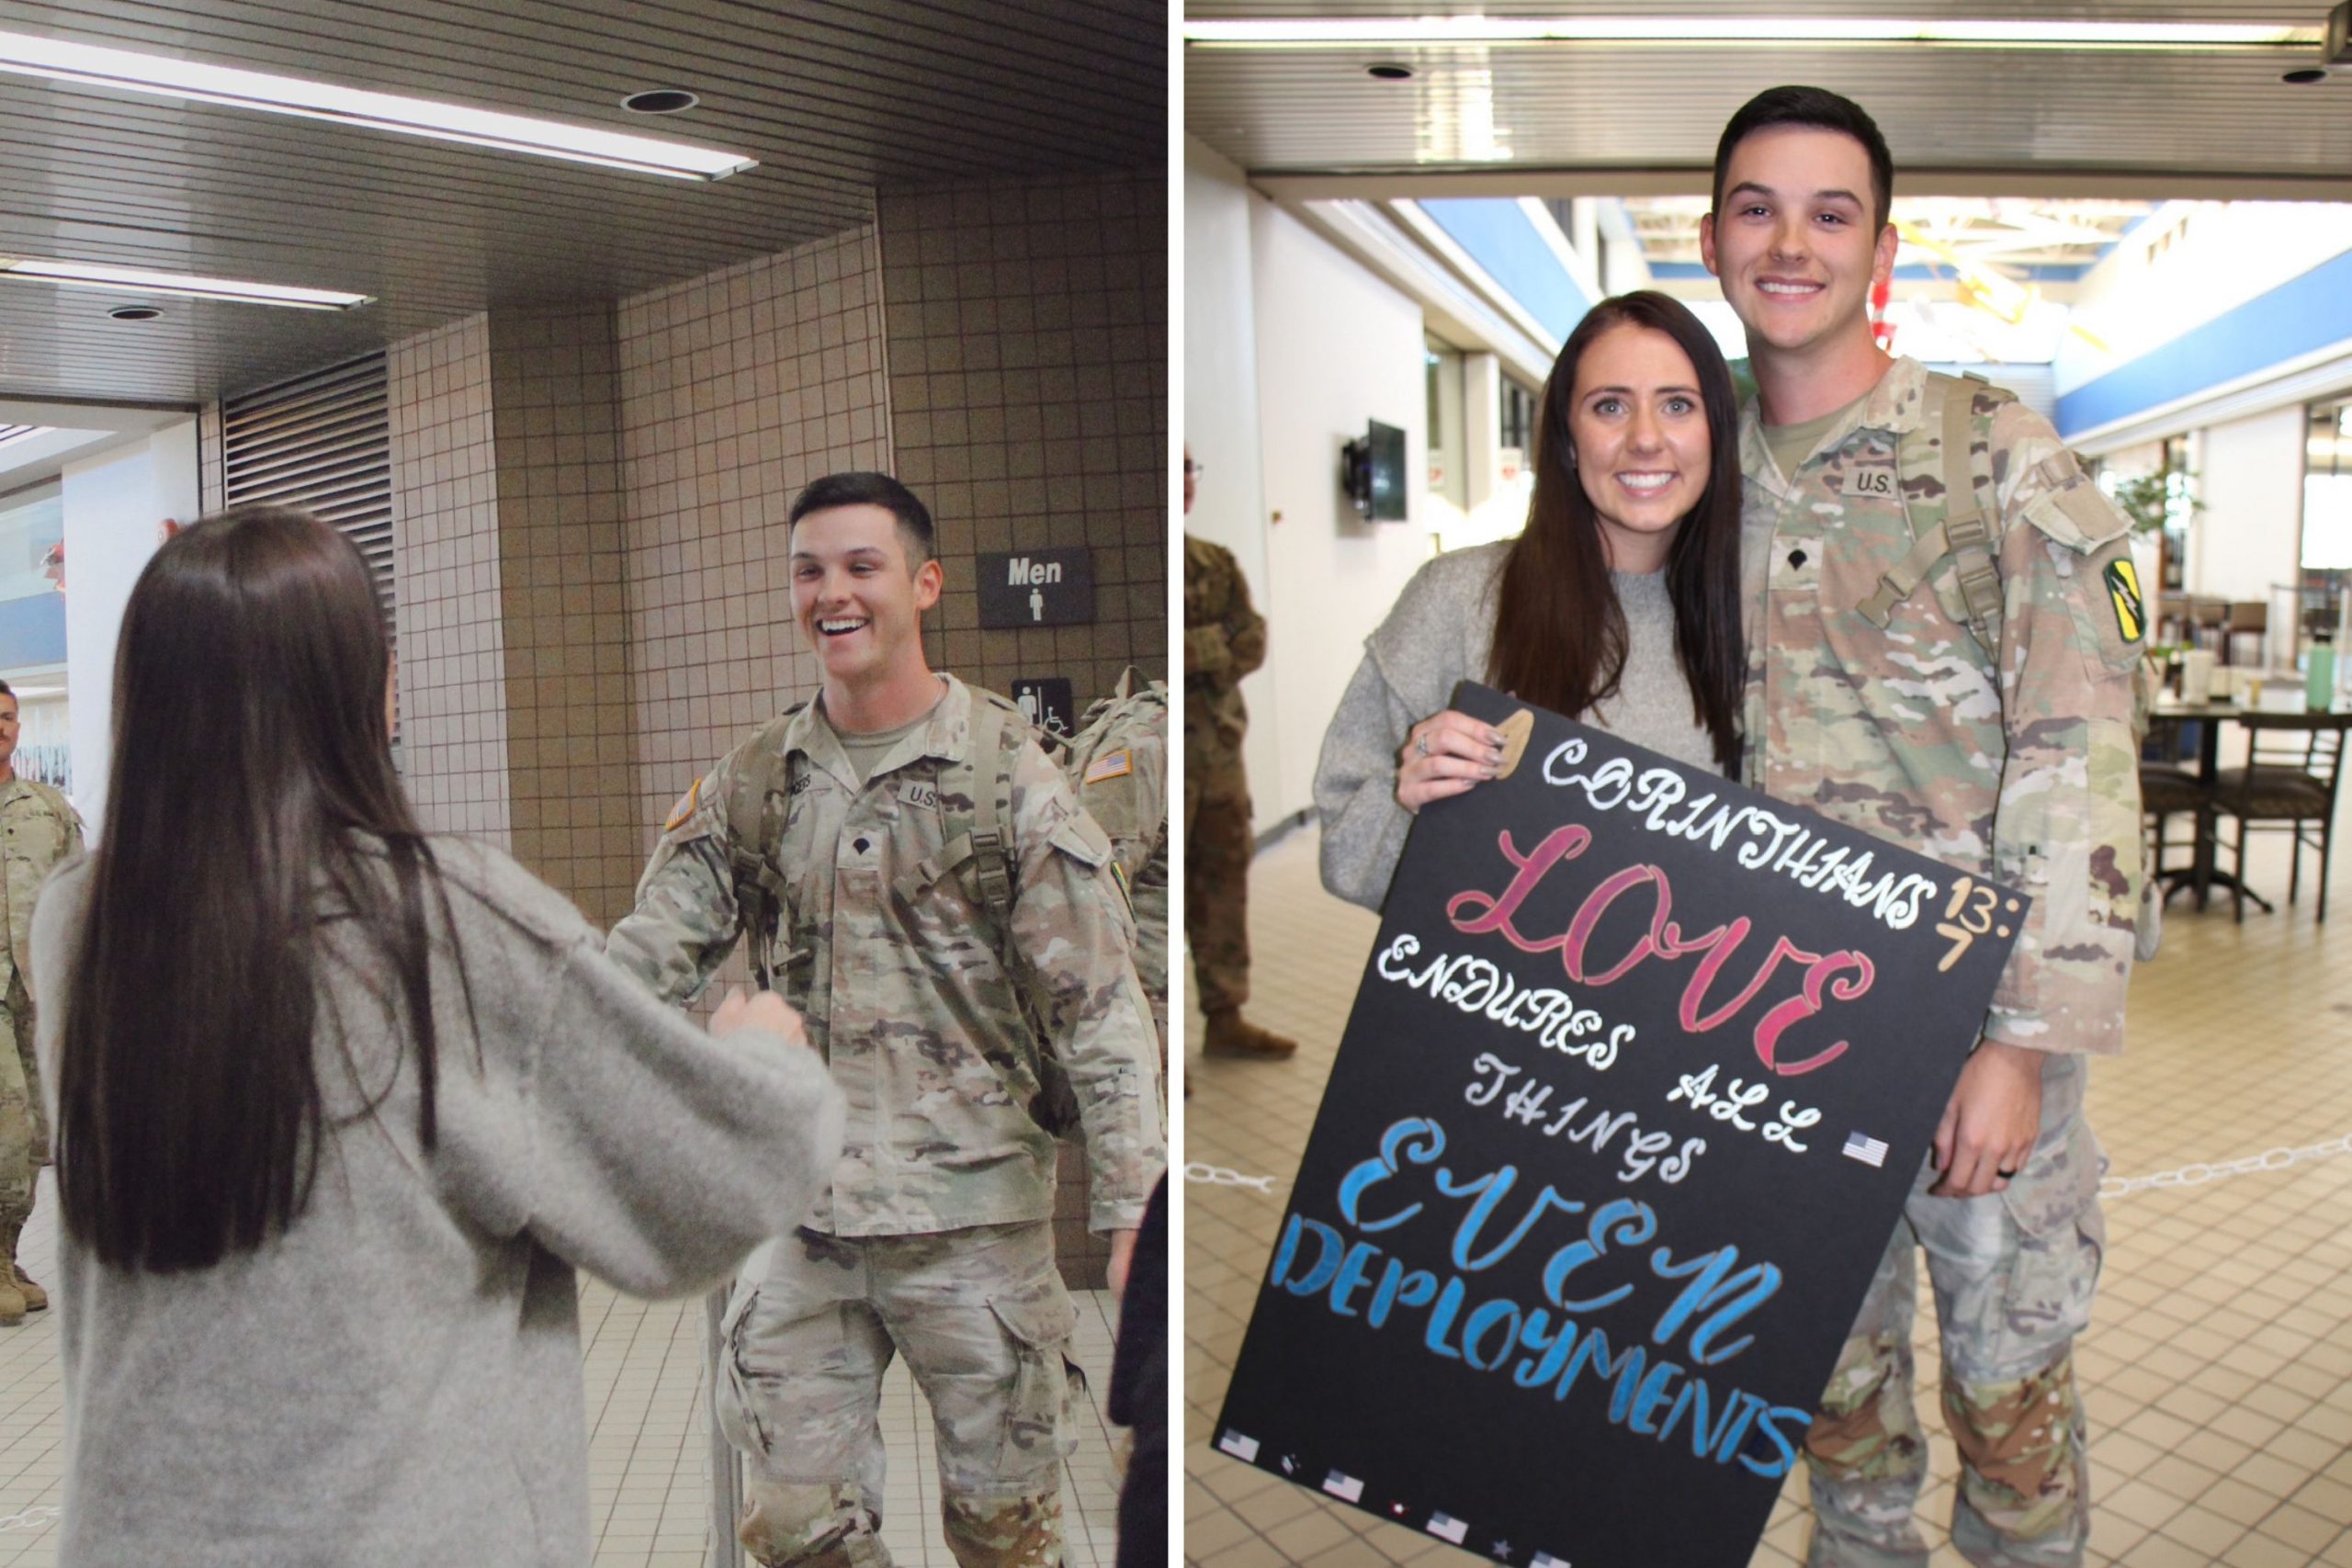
1618,605
340,1106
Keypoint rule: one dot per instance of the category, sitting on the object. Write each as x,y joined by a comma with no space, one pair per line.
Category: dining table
2282,695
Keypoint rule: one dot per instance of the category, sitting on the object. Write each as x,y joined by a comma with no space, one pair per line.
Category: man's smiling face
1797,242
858,601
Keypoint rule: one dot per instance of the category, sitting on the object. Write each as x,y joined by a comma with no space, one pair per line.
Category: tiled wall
209,484
555,384
736,390
449,589
1029,399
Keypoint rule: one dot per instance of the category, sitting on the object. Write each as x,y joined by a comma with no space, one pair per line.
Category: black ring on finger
2005,1174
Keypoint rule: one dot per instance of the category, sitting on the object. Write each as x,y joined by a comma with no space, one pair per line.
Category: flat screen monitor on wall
1373,472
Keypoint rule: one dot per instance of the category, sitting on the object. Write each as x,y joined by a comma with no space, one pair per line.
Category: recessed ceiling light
12,433
138,280
1390,73
659,100
1426,32
134,312
26,55
2306,76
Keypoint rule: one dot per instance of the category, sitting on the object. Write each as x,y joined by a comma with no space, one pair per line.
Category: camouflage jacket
1117,763
892,963
1224,638
39,828
1900,732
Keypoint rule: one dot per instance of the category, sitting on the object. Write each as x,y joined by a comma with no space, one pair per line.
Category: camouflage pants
2013,1274
1217,848
24,1121
984,1322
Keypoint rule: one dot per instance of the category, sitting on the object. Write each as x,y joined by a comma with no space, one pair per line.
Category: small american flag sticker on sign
1864,1147
1237,1445
1445,1526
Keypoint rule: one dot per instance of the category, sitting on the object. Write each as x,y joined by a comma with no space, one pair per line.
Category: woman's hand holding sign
1445,755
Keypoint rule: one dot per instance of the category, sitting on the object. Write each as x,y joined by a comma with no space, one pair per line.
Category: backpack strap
755,840
1964,533
979,839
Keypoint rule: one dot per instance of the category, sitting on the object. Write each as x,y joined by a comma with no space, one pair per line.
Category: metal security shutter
322,442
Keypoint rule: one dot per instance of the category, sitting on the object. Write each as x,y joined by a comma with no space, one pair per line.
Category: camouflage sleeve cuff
1104,1216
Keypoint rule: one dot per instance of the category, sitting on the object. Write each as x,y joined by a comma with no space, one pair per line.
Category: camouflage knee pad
2024,1490
821,1526
1004,1532
1866,1429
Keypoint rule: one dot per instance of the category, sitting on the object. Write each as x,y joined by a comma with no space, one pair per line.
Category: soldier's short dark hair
7,690
1816,109
873,490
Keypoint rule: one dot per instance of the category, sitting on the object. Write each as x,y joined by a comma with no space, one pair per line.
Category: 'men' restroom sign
1037,588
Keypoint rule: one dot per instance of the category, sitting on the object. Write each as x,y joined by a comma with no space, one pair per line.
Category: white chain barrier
2199,1174
30,1519
1218,1176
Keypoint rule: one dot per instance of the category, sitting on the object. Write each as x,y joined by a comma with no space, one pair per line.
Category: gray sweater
395,1380
1441,630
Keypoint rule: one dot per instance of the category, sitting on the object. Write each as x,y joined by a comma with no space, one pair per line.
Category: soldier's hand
1990,1124
758,1010
1443,755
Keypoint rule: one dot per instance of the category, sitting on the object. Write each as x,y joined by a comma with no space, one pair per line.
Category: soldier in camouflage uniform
1992,733
932,1240
40,828
1117,761
1224,638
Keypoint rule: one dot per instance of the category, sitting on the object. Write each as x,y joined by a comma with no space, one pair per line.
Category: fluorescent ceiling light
138,280
12,433
1426,32
26,55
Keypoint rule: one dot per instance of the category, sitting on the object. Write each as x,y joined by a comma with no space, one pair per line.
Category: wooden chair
2287,785
2246,629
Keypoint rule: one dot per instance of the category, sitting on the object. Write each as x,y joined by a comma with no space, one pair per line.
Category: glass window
2327,512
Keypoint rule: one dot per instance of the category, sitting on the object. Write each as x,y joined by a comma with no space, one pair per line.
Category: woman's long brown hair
1559,631
252,800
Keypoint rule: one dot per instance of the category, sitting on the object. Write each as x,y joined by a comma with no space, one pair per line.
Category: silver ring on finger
1423,743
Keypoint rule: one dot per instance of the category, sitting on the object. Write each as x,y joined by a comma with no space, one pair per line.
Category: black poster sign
1046,701
1635,1084
1037,588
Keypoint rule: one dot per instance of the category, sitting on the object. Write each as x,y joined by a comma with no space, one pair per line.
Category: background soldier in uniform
1117,761
916,879
1225,639
1950,666
39,828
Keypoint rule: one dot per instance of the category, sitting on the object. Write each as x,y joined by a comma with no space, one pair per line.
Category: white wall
115,506
2220,256
1221,408
2248,538
1337,346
